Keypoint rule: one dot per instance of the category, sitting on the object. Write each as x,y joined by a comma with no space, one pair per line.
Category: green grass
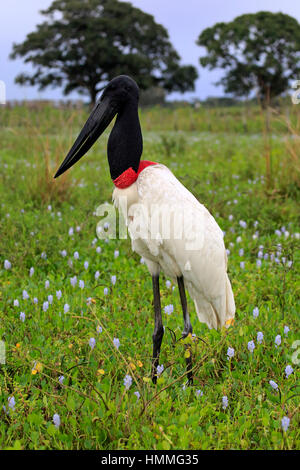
224,166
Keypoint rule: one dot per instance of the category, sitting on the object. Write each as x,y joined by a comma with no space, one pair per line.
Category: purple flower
73,281
105,290
47,284
116,253
116,342
58,294
16,303
224,402
76,255
286,330
260,337
81,284
7,264
11,402
56,420
288,370
45,306
25,295
97,274
160,369
61,379
273,384
66,308
86,265
251,346
199,393
137,394
242,264
92,343
285,422
113,280
255,312
22,316
230,353
127,381
277,341
169,309
31,271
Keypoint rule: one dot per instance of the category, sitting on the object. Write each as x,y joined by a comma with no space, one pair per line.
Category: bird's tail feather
220,312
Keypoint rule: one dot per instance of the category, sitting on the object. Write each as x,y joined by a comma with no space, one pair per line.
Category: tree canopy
85,43
258,52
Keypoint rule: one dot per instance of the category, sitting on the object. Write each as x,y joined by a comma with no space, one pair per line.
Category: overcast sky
184,19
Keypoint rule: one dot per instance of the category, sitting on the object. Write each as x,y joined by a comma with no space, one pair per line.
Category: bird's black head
120,92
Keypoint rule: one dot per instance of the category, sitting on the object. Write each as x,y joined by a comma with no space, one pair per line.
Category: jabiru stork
148,195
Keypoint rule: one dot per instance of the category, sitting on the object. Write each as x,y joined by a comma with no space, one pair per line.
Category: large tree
258,52
85,43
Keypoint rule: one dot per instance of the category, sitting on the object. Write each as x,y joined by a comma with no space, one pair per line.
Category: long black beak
102,114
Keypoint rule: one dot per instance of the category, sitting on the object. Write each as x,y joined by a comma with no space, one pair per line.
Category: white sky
184,20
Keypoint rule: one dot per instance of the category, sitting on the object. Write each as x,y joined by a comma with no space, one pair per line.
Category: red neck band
129,176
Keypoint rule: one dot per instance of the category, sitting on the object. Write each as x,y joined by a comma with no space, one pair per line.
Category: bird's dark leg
187,326
158,327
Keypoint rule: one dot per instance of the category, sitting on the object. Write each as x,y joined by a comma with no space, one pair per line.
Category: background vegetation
249,180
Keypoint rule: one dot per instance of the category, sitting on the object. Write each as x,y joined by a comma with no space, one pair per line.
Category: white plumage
193,249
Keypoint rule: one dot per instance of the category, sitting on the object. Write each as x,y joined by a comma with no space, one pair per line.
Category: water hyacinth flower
73,281
251,346
277,341
127,381
35,300
63,253
97,274
286,330
116,342
242,264
113,280
11,402
56,420
243,224
92,343
99,329
239,239
260,337
285,422
16,303
7,264
169,309
98,249
31,271
22,316
81,284
25,295
288,371
45,306
58,294
66,308
50,299
230,353
224,402
241,252
47,284
76,255
86,264
160,369
71,231
116,253
258,263
168,284
105,290
61,379
255,312
273,385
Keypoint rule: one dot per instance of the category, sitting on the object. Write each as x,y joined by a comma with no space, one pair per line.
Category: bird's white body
174,233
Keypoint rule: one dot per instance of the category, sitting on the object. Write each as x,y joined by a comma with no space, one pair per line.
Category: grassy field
70,344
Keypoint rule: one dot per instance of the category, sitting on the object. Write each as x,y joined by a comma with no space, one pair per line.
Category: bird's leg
187,327
158,327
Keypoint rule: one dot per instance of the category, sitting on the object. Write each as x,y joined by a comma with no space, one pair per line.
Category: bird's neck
125,143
